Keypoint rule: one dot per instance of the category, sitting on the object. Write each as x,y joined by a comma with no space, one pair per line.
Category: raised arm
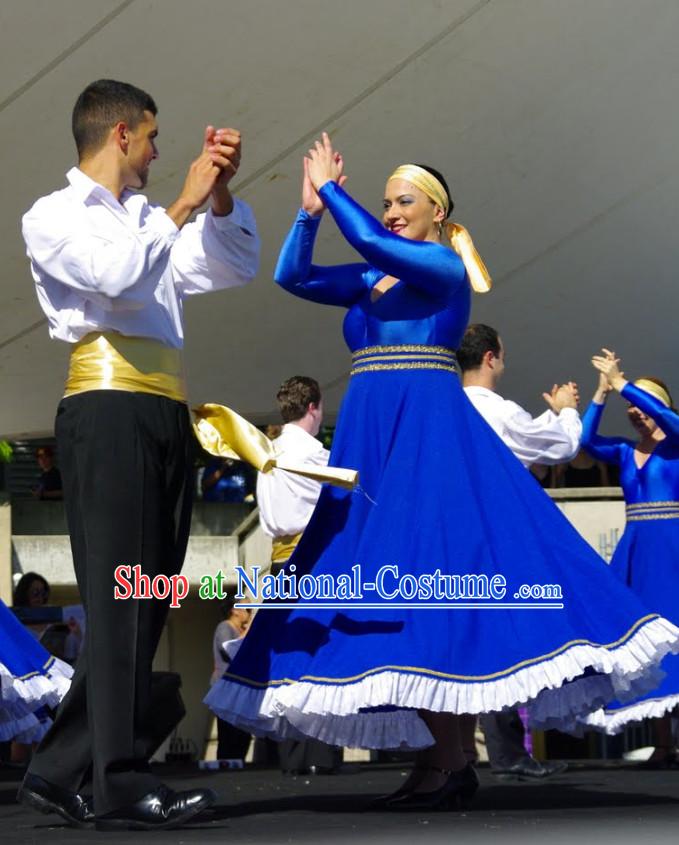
666,418
339,285
430,267
608,449
216,252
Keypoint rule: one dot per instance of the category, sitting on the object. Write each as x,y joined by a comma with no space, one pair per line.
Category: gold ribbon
461,242
459,237
225,433
111,361
654,389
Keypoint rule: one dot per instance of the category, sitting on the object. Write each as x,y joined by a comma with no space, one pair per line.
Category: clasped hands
209,175
322,164
562,396
610,375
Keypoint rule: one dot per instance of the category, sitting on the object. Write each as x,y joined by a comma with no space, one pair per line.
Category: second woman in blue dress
647,556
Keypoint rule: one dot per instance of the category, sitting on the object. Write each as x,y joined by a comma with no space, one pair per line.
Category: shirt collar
292,430
85,187
477,390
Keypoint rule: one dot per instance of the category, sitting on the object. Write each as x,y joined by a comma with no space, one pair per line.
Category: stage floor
602,803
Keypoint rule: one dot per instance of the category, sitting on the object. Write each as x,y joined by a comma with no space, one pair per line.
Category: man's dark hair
103,104
295,395
477,340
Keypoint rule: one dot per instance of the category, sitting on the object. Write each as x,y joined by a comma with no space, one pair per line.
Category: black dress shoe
49,798
458,790
531,769
159,810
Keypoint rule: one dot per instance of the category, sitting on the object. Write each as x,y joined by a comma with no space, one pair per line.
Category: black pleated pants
504,734
126,470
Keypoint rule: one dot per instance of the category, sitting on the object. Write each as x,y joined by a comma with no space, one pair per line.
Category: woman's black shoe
457,791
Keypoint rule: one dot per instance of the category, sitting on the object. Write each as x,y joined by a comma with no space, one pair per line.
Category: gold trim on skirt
111,361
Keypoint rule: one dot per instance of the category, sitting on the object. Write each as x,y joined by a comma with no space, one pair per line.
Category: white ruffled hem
45,688
613,722
336,714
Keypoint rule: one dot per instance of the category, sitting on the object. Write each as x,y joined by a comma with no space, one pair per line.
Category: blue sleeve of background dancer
342,284
666,418
608,449
434,269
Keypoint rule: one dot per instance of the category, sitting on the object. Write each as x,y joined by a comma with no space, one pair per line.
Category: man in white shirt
286,503
111,272
286,500
552,438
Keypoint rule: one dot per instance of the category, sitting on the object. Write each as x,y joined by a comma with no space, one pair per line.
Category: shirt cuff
241,215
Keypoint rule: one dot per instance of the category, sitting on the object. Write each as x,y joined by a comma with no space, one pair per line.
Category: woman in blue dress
442,495
30,680
647,556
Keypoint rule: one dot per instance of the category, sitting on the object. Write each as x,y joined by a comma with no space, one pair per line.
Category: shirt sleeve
98,265
666,418
340,285
607,449
548,439
214,253
430,267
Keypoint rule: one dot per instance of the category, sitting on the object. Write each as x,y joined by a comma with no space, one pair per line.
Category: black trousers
504,734
125,464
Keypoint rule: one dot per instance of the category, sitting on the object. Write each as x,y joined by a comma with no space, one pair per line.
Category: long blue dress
30,680
441,492
647,556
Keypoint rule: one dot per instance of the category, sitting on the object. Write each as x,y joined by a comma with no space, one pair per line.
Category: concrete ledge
50,555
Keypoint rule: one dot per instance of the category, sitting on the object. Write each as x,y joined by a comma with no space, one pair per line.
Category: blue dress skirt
647,556
439,492
30,681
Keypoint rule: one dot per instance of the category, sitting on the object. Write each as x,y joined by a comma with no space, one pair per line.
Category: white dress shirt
548,439
286,501
103,264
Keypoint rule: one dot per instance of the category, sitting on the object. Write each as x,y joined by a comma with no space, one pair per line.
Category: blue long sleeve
341,285
666,418
430,267
609,449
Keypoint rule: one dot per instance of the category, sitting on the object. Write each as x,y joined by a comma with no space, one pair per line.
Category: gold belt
641,511
283,547
111,361
403,357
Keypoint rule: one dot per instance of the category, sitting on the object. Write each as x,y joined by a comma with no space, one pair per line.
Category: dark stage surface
588,804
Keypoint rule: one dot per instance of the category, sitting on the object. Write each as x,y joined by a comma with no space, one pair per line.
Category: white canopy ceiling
555,122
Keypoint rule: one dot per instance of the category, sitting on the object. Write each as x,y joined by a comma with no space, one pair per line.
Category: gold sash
111,361
283,547
224,433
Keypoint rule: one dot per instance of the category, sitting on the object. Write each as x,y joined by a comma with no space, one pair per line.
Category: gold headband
459,237
425,181
655,390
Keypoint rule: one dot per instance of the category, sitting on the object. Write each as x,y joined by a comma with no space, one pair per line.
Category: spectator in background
226,480
233,743
49,483
581,471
